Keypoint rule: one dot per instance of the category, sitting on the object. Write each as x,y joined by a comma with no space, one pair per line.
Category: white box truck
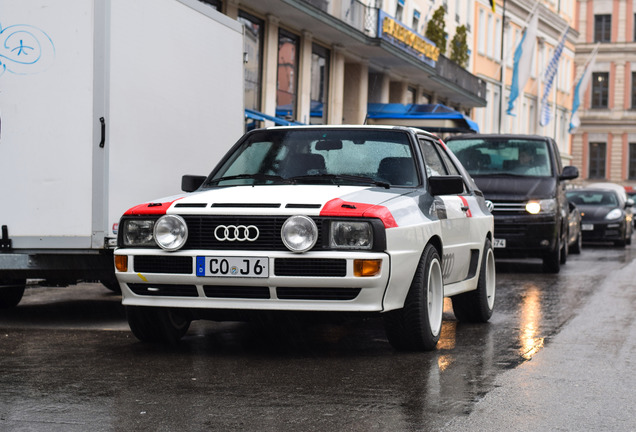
104,103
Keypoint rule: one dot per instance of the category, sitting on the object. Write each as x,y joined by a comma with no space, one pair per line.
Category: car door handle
465,208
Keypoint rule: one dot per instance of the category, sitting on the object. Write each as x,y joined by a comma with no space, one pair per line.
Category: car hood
590,213
513,188
272,200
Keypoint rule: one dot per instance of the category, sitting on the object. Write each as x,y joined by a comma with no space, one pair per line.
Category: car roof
500,137
363,127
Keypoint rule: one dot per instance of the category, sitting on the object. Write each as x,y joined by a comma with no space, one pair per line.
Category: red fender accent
340,208
152,208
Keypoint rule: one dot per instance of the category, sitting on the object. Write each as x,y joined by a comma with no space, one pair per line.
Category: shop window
597,160
600,90
319,84
253,65
287,76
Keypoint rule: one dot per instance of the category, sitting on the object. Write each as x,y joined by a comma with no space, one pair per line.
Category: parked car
604,215
523,176
316,219
575,236
623,196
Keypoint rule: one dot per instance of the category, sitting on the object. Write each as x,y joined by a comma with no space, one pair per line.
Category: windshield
319,156
595,198
516,157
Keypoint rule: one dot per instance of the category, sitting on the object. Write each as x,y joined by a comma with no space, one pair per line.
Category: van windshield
518,157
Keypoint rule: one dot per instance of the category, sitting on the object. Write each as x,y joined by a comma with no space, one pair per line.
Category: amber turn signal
121,263
366,267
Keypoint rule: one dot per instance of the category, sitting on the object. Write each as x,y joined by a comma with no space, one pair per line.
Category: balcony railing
454,73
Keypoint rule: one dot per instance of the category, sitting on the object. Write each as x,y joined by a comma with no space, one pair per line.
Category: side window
452,169
432,159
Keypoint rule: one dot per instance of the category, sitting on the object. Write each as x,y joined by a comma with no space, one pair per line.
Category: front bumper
526,236
603,231
315,281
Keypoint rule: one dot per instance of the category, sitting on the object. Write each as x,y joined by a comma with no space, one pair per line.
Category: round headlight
299,233
171,232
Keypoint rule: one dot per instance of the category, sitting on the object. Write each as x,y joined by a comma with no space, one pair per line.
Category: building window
216,4
252,66
319,84
600,90
634,27
416,21
602,28
481,30
597,160
287,75
632,161
399,10
633,90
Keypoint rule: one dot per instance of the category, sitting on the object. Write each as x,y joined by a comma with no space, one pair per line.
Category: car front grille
310,267
163,264
201,232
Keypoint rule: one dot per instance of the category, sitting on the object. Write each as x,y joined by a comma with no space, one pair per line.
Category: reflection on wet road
68,362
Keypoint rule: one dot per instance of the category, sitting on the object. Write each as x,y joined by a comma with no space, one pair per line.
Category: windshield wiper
263,177
345,177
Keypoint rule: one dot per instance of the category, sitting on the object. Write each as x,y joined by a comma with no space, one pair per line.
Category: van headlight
541,206
171,232
351,235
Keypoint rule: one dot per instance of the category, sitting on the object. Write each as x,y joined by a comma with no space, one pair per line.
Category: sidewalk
583,380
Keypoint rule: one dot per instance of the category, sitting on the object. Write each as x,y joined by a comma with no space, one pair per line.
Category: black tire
565,250
11,292
552,259
157,325
112,285
417,326
477,306
577,246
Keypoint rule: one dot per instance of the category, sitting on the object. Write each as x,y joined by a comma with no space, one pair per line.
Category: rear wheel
477,305
417,326
155,324
11,292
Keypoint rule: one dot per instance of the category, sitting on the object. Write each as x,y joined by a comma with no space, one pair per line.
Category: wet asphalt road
69,363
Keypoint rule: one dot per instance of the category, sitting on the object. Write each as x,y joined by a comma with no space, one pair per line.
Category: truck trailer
104,103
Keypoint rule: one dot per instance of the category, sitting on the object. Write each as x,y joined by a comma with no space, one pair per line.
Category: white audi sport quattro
351,219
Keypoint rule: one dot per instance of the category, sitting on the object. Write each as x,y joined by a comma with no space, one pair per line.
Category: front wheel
552,259
156,324
477,306
11,292
417,326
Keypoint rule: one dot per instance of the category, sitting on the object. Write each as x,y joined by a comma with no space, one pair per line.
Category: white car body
409,218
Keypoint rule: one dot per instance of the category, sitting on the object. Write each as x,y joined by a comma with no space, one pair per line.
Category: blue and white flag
580,89
548,79
523,62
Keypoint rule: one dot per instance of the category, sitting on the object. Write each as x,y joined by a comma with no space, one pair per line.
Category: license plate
587,227
246,267
499,243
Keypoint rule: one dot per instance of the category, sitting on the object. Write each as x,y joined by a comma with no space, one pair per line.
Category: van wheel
417,326
565,250
552,259
578,245
157,324
11,292
477,305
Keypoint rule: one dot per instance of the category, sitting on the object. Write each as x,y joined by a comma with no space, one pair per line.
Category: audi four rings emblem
236,233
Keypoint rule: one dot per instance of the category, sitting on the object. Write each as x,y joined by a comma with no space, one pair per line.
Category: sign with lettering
405,38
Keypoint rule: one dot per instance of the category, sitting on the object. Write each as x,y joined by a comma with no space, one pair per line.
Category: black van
523,177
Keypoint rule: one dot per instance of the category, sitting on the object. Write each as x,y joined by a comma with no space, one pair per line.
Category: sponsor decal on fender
153,208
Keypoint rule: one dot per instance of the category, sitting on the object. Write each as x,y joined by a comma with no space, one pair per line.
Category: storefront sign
400,35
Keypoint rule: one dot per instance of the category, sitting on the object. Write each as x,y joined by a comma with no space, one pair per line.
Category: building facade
494,45
604,145
323,61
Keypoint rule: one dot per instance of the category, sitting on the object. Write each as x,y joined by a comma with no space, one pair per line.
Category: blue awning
257,115
437,118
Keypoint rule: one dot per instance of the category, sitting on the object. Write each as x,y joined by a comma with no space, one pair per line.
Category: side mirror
569,173
190,183
629,203
445,185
